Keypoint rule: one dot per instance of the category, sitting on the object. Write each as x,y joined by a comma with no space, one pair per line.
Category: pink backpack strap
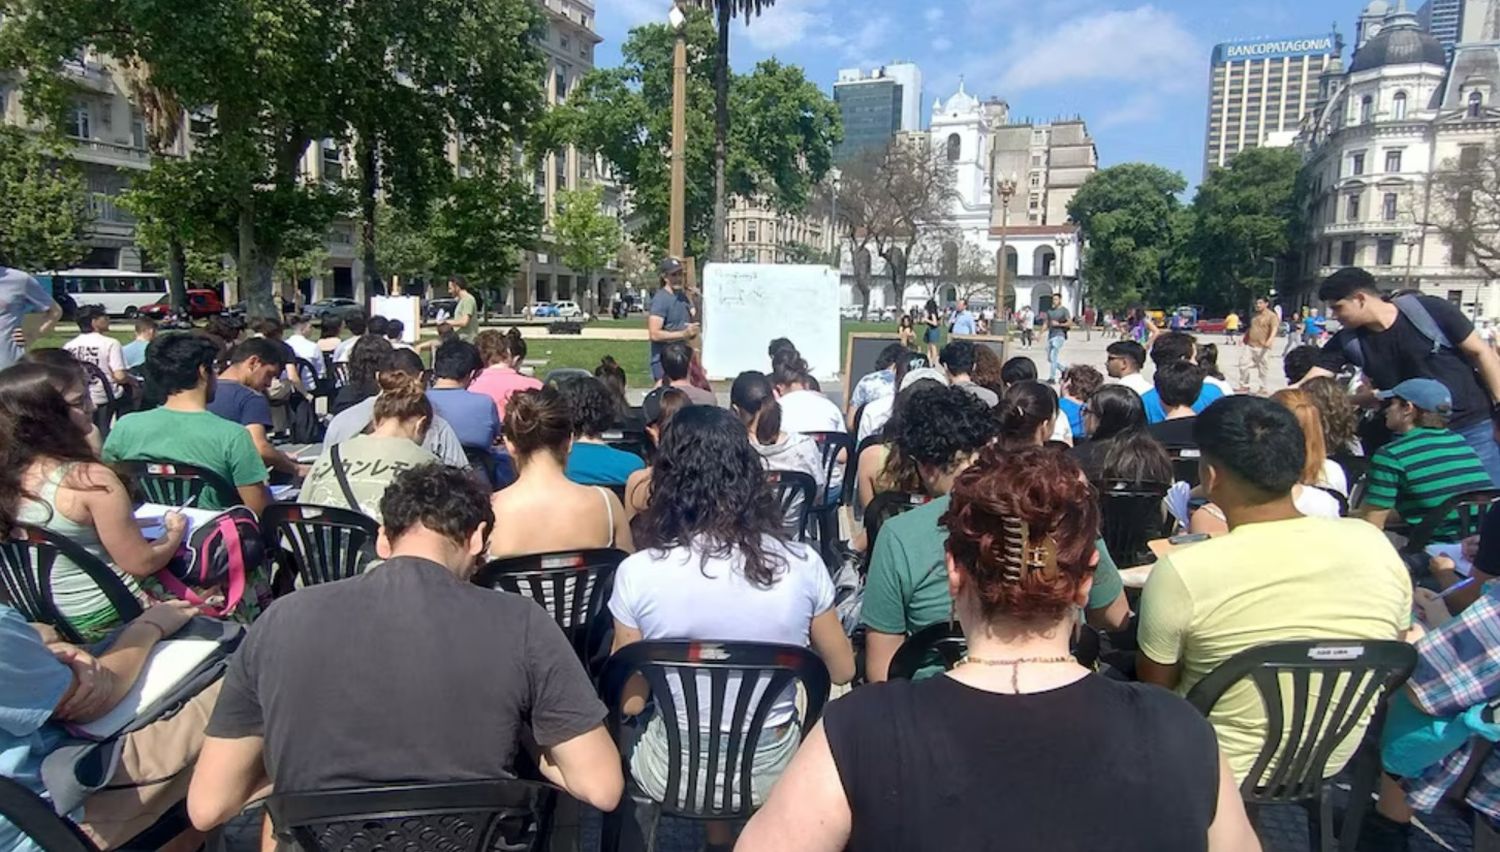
226,532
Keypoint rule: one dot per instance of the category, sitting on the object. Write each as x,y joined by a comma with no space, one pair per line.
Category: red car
200,303
1210,326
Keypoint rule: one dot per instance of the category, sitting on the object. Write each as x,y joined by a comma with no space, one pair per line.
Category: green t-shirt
1415,473
199,438
907,588
467,307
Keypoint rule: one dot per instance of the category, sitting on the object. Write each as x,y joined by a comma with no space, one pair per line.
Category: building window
750,232
563,41
955,147
1468,156
1456,297
1388,207
1357,163
1346,253
1036,202
1351,208
1398,106
1476,104
562,83
78,122
1393,161
137,131
560,161
1327,253
1385,252
333,163
1036,160
1366,109
1036,180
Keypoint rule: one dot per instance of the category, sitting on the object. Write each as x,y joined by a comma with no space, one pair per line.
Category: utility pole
1007,188
676,236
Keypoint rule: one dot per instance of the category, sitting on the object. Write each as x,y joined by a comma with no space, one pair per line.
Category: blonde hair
403,396
1301,405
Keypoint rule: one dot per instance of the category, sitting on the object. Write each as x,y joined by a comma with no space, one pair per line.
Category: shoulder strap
1412,308
343,478
609,510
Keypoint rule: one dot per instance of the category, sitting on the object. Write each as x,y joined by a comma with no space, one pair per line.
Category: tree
725,11
405,246
587,237
480,229
1466,207
44,210
1128,216
625,114
179,216
1245,219
637,270
172,223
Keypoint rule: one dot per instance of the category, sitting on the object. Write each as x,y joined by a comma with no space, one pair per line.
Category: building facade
1444,21
1047,164
1259,90
759,233
1381,129
877,105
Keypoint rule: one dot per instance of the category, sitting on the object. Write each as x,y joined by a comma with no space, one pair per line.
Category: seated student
51,478
1028,415
305,348
1299,362
1321,472
394,330
46,684
676,364
330,336
72,382
714,564
365,356
1425,465
1208,361
1275,576
881,466
1021,369
377,326
593,412
915,766
1079,384
500,377
543,510
880,410
987,370
240,397
225,330
890,367
473,416
1178,386
135,351
1120,447
440,439
1339,416
371,460
180,370
803,408
358,324
94,346
943,433
958,359
1169,348
1124,362
387,676
754,401
658,409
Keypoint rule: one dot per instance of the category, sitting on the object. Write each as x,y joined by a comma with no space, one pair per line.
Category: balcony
110,154
104,209
1371,226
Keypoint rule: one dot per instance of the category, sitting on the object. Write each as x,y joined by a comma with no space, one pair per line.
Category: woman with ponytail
1028,414
754,399
354,474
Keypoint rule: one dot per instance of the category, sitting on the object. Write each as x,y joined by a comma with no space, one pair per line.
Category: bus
121,293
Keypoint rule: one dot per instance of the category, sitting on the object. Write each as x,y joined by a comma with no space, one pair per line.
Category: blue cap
1426,394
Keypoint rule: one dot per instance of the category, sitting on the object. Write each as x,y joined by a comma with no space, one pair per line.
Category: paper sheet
149,517
1455,552
169,663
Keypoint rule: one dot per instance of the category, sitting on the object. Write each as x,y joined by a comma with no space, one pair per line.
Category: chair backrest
1351,678
887,505
1354,466
470,816
1185,464
339,370
317,386
795,492
944,643
1469,508
27,561
635,442
859,416
562,374
831,445
34,817
174,483
733,685
326,543
1131,516
572,586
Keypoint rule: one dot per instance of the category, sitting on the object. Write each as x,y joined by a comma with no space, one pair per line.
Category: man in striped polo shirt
1426,464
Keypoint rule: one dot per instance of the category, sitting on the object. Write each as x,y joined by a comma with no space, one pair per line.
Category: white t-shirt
809,411
309,352
676,594
1136,382
341,352
1315,502
103,352
877,414
1333,477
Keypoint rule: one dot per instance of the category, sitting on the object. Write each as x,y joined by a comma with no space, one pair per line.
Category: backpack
221,552
1411,307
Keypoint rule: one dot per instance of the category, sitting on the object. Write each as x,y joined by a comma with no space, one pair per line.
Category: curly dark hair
940,425
593,409
369,355
709,491
1340,418
443,499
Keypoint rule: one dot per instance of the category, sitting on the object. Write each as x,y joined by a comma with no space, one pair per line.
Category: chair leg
1364,777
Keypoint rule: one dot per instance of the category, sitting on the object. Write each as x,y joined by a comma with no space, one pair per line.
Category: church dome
1399,42
962,103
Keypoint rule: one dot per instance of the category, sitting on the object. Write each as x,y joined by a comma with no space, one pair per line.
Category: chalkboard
995,343
747,305
859,358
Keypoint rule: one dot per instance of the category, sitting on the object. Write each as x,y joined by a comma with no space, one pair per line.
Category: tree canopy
587,238
44,210
1129,215
1246,218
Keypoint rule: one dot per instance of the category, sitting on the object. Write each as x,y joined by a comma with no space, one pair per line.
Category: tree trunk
177,273
256,270
721,133
369,184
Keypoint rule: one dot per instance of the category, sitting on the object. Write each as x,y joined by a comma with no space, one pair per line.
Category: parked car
569,310
444,307
544,309
200,303
854,312
1210,326
335,306
288,307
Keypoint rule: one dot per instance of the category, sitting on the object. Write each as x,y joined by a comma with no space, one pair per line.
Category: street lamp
1410,239
1007,188
834,222
676,224
1061,241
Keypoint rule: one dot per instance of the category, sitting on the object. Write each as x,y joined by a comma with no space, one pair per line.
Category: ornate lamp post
1006,187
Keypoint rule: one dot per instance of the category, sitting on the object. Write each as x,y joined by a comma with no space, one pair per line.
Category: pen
1455,587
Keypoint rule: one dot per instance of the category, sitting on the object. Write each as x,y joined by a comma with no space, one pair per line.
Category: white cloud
942,44
793,23
1142,106
1142,45
933,15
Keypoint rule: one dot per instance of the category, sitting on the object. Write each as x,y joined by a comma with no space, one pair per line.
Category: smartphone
1190,538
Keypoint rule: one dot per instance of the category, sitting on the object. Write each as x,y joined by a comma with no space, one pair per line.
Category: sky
1136,72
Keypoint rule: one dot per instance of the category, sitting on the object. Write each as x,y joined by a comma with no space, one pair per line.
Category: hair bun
400,383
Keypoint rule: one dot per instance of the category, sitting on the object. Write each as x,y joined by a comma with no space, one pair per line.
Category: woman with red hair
1019,746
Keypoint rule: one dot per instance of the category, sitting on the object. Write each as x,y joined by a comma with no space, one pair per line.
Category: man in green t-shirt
942,431
180,366
466,314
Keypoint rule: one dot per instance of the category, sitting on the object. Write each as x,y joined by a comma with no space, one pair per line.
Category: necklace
1015,666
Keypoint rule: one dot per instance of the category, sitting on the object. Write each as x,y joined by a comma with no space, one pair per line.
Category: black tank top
938,765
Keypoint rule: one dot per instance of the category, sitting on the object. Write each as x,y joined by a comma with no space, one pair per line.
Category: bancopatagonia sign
1274,48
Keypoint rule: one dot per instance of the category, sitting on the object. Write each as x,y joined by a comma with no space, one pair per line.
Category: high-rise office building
876,106
1443,20
1259,91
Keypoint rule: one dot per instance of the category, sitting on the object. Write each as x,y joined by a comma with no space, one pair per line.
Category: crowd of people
1295,507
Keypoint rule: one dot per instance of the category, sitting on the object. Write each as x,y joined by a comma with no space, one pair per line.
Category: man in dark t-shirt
240,396
671,314
1391,349
406,674
1178,384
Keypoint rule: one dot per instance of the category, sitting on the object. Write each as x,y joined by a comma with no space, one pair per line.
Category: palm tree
726,11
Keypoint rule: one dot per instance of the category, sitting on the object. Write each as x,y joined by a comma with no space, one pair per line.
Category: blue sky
1136,72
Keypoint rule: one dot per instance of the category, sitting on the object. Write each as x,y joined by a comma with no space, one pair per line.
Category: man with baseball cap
1426,464
670,318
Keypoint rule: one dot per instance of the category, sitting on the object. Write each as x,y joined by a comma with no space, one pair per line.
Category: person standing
1058,323
1231,327
963,321
94,346
1258,341
930,337
1026,320
20,294
466,312
670,317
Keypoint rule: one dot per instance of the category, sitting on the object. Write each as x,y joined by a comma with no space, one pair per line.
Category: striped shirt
1419,470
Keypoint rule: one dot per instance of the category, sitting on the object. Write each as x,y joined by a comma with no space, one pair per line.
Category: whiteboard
747,305
408,309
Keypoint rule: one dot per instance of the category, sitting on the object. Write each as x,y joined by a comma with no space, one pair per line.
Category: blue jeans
1054,356
1481,436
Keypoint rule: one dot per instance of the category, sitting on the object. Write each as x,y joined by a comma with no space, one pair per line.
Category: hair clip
1022,555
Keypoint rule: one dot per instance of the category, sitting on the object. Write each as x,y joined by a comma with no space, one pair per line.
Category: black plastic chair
320,385
635,442
724,754
572,586
1185,464
825,513
887,505
795,493
1353,679
34,817
471,816
1131,517
944,643
562,374
104,415
340,372
174,484
27,561
1469,507
320,544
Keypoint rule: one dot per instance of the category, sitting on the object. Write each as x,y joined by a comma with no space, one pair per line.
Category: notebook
169,663
149,517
